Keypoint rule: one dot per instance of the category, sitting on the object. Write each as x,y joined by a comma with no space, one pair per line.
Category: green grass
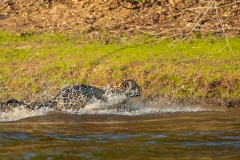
31,64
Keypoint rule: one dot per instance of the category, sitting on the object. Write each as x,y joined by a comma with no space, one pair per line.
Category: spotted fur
78,96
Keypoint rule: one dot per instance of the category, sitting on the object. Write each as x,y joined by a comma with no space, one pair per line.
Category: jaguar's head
129,87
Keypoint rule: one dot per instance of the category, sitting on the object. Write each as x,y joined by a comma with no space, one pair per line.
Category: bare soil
109,19
118,18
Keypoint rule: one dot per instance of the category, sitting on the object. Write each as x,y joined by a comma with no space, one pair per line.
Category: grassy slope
38,66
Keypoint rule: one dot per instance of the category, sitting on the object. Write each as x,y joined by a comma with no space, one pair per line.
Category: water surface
143,131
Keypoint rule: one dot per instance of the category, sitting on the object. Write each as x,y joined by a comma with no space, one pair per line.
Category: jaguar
78,96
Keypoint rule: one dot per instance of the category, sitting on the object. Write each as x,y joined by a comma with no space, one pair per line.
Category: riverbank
104,20
35,67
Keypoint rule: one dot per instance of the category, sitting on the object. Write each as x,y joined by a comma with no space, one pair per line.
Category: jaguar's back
78,96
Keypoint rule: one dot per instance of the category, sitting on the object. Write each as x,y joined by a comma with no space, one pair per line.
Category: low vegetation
38,66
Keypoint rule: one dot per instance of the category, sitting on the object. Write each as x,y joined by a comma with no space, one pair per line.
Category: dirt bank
121,18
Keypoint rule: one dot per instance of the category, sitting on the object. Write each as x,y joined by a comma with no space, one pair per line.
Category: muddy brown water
172,132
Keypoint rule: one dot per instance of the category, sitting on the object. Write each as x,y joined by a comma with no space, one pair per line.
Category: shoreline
163,45
36,67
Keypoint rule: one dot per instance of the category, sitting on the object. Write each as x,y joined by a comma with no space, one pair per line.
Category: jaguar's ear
129,86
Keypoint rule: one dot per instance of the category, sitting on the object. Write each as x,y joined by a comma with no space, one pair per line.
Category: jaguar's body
78,96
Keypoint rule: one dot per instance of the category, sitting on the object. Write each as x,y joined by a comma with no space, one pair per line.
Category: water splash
115,104
20,113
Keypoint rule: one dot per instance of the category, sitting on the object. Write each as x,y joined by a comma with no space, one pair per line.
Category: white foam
113,105
137,107
20,113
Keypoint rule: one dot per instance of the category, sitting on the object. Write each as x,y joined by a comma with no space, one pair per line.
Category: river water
142,130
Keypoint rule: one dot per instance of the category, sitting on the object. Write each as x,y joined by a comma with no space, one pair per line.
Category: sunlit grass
28,61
